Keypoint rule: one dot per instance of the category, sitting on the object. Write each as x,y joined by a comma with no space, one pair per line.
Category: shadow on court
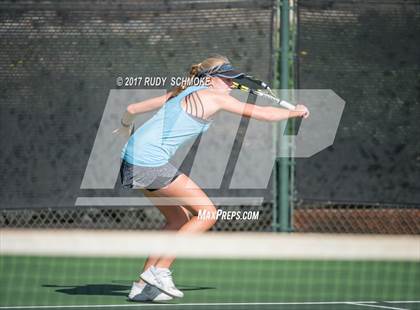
194,288
91,289
108,289
180,286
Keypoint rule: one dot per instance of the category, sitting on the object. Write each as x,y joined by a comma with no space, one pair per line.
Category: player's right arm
264,113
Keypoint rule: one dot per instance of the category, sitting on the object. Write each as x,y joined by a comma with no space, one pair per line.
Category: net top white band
210,245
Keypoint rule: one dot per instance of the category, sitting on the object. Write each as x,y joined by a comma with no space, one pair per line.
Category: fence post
285,220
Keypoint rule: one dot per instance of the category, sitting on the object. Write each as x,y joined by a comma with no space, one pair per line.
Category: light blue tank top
157,140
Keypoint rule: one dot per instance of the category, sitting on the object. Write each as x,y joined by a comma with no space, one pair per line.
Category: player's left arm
133,109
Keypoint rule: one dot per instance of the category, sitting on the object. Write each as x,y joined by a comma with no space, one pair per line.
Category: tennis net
81,269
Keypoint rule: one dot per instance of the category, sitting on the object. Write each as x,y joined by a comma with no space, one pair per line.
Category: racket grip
287,105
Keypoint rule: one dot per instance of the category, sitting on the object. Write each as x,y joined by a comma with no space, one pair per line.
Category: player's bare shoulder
213,96
211,99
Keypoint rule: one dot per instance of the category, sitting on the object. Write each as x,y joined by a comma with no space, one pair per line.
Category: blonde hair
205,66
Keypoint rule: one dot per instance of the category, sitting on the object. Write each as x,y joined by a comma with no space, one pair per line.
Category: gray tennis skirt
150,178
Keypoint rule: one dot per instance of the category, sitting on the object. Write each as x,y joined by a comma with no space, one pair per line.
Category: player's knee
176,224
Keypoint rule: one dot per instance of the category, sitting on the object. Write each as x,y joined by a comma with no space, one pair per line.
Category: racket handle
287,105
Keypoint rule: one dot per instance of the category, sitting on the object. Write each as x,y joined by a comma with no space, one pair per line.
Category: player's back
157,140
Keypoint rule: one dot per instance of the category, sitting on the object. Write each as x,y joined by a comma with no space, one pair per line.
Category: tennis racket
259,88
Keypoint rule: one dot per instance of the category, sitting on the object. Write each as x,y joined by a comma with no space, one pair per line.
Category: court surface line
375,306
358,303
403,302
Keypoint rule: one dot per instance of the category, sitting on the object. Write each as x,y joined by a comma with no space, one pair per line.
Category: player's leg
187,193
182,191
175,216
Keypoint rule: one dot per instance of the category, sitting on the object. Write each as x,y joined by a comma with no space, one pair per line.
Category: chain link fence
307,217
356,218
141,218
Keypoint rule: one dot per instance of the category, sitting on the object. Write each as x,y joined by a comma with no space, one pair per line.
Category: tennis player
183,114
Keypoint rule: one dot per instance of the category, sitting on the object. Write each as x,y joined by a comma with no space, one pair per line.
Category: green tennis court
76,282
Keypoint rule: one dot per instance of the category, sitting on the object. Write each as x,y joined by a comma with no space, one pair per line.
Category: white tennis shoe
146,292
162,279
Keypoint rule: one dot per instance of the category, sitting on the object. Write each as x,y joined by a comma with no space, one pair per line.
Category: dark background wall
368,52
59,60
